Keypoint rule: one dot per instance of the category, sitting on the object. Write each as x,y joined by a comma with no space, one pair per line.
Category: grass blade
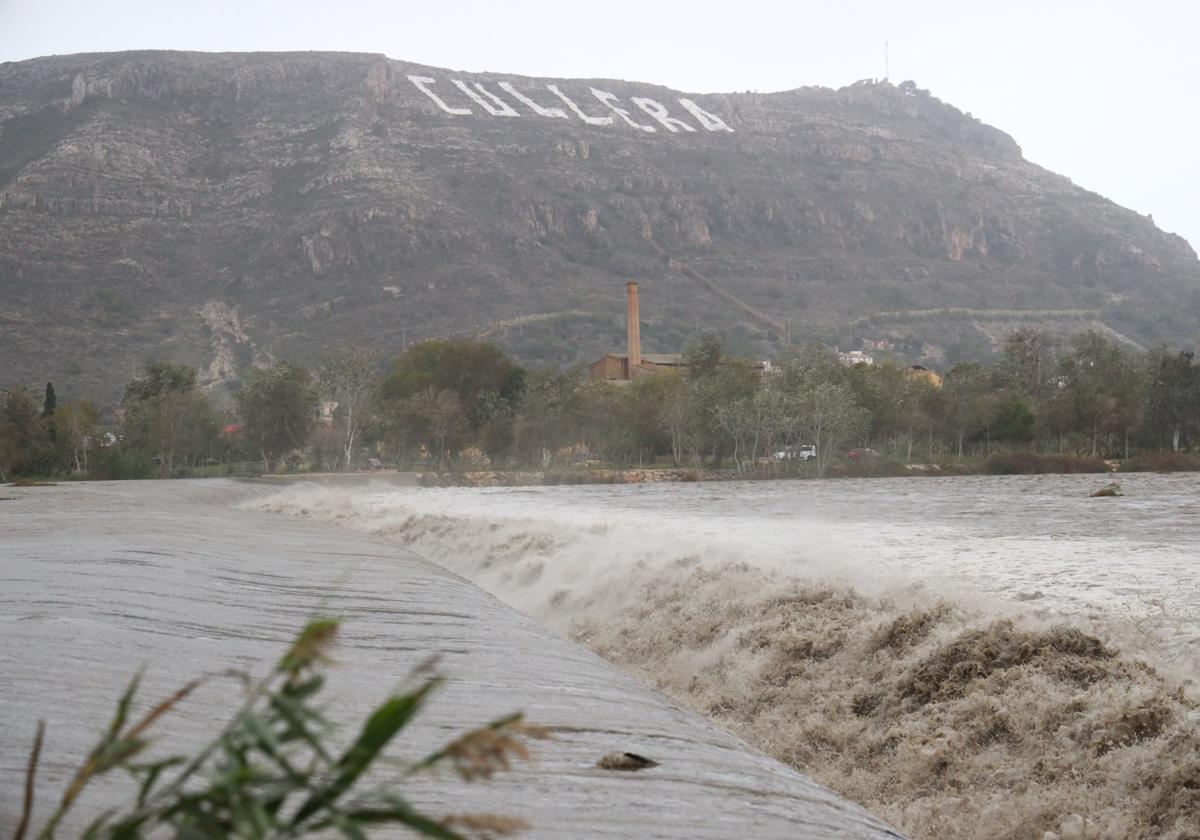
30,775
380,728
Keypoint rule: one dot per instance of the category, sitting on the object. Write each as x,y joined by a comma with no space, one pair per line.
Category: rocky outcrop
319,195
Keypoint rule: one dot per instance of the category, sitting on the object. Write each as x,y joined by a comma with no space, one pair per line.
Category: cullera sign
492,104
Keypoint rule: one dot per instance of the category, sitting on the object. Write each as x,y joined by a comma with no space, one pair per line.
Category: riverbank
1001,463
101,579
867,466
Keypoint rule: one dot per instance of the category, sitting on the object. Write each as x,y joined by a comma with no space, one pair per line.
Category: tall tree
347,376
892,398
963,391
613,419
1173,409
175,426
548,414
25,447
158,377
166,415
76,424
1027,364
737,420
1101,389
480,374
703,357
49,403
439,421
711,383
678,416
278,408
829,416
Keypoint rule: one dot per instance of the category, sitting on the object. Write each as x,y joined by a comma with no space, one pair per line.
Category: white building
855,357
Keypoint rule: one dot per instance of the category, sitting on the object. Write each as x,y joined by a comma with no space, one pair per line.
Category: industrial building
634,364
616,367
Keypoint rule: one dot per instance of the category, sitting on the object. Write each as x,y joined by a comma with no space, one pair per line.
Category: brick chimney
634,328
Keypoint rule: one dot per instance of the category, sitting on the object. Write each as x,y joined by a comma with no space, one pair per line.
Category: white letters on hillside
493,105
659,112
578,111
422,83
497,107
710,121
610,99
531,105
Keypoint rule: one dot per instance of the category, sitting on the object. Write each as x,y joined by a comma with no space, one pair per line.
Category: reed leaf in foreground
271,772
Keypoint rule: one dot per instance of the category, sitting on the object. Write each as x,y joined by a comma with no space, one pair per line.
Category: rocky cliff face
225,209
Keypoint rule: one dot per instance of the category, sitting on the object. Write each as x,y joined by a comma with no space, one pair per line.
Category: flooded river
1040,542
99,580
967,657
977,657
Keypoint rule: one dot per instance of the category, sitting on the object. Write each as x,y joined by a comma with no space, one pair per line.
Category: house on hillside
855,357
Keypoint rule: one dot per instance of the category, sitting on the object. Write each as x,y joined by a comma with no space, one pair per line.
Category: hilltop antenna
887,70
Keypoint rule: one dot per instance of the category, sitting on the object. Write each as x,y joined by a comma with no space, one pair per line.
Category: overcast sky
1103,92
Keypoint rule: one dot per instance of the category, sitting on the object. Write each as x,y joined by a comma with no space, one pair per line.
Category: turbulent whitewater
969,657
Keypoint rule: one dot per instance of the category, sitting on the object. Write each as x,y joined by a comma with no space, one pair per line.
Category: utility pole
887,69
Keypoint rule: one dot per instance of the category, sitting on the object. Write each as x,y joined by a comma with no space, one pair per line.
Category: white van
796,453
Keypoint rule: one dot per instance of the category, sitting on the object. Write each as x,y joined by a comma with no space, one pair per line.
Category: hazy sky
1103,92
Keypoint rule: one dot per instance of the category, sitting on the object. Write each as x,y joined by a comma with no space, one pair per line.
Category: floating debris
625,761
1111,489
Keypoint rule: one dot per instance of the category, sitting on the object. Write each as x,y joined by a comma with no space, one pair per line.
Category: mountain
227,209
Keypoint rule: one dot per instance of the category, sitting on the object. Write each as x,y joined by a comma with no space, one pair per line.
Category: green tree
76,425
678,416
547,418
177,427
278,408
25,445
1027,364
438,419
829,416
614,418
159,377
703,358
1100,393
1010,419
964,391
811,366
496,434
888,394
738,421
1173,409
49,403
480,374
167,416
348,378
711,383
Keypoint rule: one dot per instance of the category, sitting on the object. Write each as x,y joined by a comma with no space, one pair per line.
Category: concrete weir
97,580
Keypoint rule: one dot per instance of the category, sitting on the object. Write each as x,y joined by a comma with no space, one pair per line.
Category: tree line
451,402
